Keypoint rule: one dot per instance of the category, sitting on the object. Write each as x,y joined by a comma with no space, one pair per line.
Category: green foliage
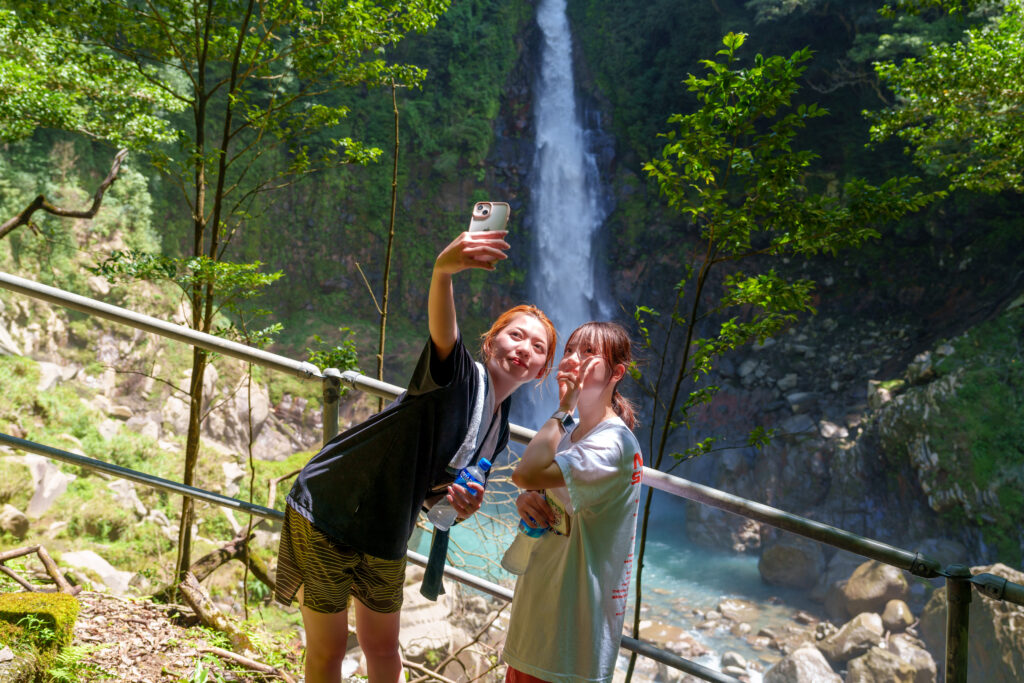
71,666
730,169
341,356
958,105
48,79
979,440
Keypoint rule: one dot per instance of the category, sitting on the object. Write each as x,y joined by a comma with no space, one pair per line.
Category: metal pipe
139,477
161,327
824,533
958,619
675,661
331,394
998,588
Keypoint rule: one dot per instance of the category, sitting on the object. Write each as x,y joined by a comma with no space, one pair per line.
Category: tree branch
41,202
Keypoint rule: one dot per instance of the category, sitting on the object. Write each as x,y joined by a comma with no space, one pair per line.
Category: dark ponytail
613,342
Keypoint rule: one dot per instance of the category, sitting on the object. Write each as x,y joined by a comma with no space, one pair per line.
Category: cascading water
567,202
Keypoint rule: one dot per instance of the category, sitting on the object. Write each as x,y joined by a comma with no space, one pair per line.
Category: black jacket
365,488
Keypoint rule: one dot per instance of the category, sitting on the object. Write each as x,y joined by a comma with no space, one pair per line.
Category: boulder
897,616
879,666
996,643
804,665
911,650
13,521
47,480
872,585
124,492
855,638
49,375
792,561
840,567
114,579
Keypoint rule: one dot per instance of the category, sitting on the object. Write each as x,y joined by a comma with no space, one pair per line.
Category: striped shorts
330,572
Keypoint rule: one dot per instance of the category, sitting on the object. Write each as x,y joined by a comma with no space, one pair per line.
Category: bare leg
378,639
326,641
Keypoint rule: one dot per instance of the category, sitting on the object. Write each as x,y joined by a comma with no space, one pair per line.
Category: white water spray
567,208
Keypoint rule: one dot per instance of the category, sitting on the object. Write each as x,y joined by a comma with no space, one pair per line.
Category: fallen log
248,663
208,613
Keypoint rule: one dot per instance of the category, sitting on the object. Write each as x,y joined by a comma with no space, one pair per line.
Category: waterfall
567,205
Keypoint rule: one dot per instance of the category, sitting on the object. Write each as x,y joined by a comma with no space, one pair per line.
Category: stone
879,666
733,659
108,428
47,480
855,638
801,401
174,416
996,644
735,609
125,493
897,616
878,395
829,430
840,567
114,579
13,521
144,426
791,560
99,285
8,347
747,367
872,585
921,370
233,475
912,651
804,665
120,412
49,375
787,381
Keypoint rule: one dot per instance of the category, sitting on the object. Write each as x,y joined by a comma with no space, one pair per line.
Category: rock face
879,666
792,561
871,586
804,665
996,645
859,635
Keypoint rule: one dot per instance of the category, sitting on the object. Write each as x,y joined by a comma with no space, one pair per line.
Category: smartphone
489,216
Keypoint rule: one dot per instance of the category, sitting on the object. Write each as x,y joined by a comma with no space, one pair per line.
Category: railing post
332,393
958,616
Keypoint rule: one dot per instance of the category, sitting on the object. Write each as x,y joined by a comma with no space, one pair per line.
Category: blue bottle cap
484,464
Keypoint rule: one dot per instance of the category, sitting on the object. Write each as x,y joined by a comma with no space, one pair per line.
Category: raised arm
468,250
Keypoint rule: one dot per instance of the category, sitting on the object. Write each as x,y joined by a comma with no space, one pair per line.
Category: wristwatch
565,419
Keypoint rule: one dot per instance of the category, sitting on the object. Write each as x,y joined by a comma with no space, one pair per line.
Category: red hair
612,342
505,319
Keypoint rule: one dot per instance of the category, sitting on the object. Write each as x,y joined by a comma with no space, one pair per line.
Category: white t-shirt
570,604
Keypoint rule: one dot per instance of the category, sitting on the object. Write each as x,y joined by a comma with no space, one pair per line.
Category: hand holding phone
489,216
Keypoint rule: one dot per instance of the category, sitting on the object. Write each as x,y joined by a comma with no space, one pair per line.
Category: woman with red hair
354,505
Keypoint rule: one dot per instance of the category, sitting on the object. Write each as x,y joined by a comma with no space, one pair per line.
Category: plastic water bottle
443,515
530,531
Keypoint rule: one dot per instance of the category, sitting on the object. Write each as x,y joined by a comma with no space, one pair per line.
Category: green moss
47,618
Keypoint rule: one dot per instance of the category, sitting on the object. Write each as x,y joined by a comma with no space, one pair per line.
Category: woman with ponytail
583,482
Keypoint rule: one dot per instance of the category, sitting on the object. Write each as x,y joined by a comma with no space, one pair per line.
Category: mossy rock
52,616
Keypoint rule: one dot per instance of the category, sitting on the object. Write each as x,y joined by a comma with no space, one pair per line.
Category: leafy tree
251,77
48,79
729,169
960,106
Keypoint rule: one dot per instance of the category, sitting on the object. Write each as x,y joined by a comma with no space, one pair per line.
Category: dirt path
138,642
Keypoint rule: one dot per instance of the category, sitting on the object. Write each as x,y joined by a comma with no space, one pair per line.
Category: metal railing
958,577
